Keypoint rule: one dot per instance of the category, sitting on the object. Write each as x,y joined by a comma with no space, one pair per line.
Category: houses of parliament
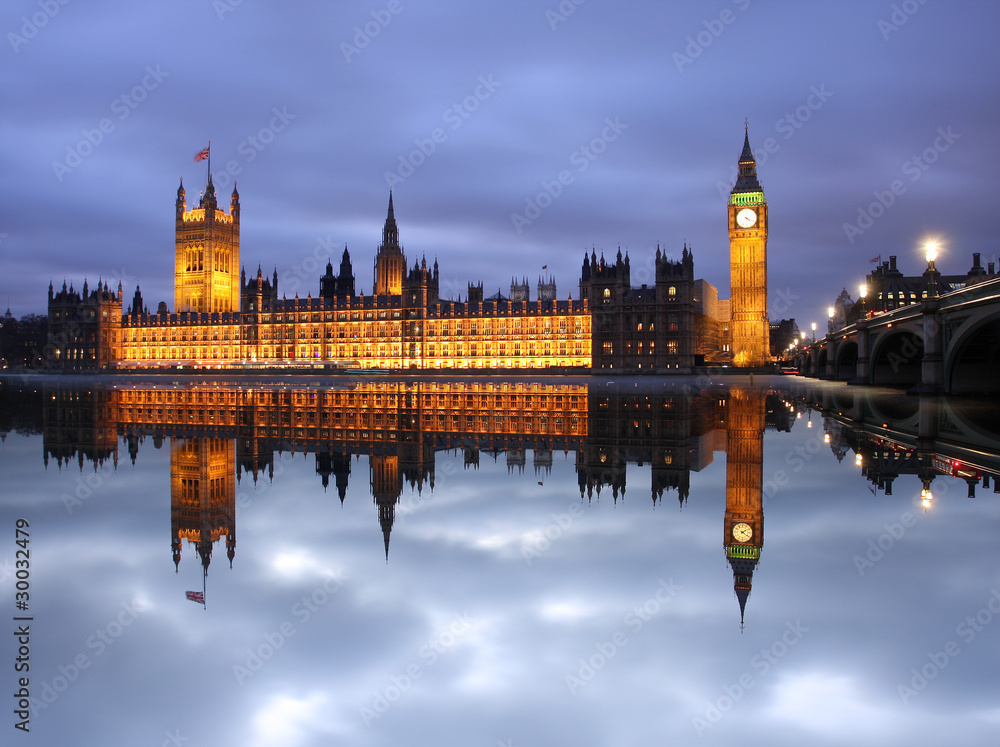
223,318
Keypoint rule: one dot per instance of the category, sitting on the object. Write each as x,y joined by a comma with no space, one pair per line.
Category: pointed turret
390,231
181,201
747,180
137,302
234,204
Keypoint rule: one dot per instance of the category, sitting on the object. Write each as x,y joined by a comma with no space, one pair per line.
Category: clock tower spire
748,263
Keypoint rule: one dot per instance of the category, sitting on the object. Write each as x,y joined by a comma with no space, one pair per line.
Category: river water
497,561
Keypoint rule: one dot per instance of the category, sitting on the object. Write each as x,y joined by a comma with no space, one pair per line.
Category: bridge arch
845,362
897,357
974,356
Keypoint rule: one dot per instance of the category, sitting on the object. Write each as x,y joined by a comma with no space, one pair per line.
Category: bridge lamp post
814,331
830,311
930,254
862,294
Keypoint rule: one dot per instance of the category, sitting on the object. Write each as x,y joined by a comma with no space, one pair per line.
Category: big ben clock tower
748,264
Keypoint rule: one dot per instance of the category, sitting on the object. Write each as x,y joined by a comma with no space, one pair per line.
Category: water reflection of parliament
220,434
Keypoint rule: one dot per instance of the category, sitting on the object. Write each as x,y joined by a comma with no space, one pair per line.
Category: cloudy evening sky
316,107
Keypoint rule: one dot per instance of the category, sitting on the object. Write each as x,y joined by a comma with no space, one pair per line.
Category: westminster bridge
946,343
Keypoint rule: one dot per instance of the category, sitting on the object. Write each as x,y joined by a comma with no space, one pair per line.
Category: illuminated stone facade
748,265
221,321
207,254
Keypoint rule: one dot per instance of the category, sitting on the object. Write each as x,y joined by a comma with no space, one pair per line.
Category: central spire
390,264
390,232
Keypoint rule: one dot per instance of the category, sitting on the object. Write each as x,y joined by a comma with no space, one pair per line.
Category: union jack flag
196,596
202,155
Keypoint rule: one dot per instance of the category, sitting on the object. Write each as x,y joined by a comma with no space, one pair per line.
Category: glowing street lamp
814,331
930,254
830,312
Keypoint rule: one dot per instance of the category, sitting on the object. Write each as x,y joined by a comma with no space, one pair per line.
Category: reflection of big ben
744,524
203,496
748,264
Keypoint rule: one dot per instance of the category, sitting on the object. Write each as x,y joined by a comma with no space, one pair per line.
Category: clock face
742,532
746,218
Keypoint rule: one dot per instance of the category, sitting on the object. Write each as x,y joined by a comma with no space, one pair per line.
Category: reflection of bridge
947,343
893,434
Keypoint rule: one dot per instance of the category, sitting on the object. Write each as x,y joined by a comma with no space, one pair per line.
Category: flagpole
204,575
209,161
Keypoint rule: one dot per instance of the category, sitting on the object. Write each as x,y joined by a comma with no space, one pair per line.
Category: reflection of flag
202,155
196,596
545,267
877,260
540,482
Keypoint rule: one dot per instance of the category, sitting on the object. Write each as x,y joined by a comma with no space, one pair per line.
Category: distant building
712,340
782,334
888,288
